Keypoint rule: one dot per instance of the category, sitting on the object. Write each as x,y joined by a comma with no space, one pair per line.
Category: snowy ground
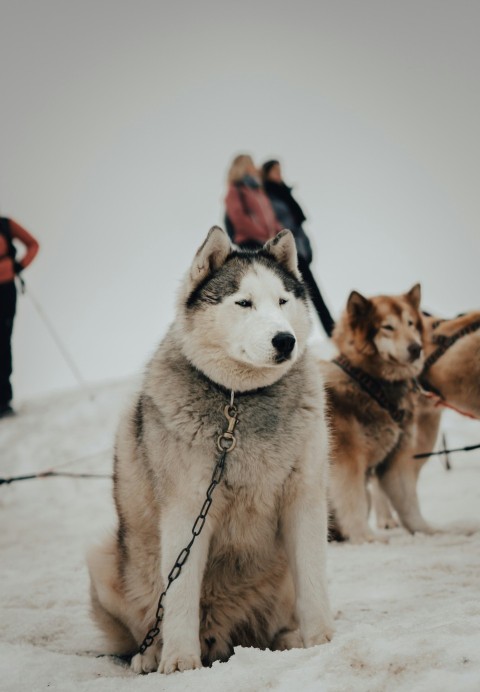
407,613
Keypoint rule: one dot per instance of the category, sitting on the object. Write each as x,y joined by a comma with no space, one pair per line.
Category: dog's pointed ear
283,249
210,255
358,306
414,296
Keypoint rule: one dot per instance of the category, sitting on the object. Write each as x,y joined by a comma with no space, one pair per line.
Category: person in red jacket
9,267
250,219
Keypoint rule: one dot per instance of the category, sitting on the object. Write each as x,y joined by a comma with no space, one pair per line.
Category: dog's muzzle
414,351
284,343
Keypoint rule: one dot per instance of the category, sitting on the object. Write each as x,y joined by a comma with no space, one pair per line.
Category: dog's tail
107,600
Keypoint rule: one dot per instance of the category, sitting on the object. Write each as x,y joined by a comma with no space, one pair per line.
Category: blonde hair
239,167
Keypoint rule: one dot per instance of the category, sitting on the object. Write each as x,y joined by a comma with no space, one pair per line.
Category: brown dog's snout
414,350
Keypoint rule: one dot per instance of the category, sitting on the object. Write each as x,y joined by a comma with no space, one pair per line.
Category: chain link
230,413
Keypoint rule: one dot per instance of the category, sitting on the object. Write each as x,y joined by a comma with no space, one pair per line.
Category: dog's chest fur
273,427
379,433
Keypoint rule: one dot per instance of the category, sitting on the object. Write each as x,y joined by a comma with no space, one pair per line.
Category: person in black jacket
290,215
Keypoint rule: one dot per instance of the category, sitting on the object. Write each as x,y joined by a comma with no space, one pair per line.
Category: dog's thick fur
381,336
456,377
256,574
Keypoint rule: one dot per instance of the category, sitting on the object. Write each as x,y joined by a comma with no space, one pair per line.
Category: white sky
119,119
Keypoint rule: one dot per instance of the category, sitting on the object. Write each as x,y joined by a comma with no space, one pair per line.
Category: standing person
290,215
9,268
250,219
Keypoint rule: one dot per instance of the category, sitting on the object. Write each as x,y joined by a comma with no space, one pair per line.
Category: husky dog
454,380
370,401
256,573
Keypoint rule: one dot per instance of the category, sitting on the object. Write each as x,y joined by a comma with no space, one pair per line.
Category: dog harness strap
373,387
427,390
444,343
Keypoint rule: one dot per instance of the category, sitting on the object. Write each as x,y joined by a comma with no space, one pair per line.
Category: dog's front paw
170,663
284,641
359,537
387,522
145,663
423,527
323,636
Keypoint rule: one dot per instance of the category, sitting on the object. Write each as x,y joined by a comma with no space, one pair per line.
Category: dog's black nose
284,342
414,350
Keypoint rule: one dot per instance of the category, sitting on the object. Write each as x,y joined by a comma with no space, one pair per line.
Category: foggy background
119,120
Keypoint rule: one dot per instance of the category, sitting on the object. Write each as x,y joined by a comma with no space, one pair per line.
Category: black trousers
319,304
8,304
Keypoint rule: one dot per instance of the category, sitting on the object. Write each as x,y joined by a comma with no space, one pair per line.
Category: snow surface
407,613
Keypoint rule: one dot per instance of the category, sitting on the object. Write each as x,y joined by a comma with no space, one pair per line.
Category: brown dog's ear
414,296
283,249
358,306
210,255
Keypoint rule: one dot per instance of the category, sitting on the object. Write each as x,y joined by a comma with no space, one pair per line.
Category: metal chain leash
225,443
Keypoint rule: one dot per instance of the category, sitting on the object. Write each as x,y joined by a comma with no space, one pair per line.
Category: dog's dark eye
282,301
388,327
244,303
410,323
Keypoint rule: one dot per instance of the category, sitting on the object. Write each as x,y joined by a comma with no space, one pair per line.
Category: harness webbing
372,386
445,342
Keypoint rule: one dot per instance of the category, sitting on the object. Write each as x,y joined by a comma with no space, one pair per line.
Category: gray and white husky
255,575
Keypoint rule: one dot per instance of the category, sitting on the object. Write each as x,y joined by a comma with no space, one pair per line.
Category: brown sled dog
371,403
452,365
451,377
